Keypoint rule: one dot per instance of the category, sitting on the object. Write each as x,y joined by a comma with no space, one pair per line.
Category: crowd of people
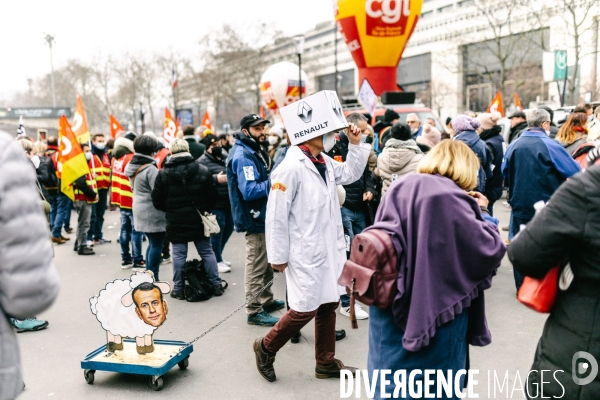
301,206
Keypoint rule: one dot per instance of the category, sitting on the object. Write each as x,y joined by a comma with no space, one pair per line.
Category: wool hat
209,140
390,115
277,130
464,123
150,133
519,114
130,135
488,120
430,136
179,146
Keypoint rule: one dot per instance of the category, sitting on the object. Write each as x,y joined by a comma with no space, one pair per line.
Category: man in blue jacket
248,169
534,167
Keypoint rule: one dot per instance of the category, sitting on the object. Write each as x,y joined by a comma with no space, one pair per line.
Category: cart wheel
183,364
156,383
88,374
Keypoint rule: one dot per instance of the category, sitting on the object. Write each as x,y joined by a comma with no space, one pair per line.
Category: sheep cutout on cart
131,308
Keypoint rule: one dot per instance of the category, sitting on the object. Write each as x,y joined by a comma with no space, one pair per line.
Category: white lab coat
304,225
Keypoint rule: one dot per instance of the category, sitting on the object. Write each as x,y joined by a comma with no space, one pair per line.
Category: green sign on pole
560,65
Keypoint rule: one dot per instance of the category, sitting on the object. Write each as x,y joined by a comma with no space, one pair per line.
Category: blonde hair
179,146
454,160
28,146
41,147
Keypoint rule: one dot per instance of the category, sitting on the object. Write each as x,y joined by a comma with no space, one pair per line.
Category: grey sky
85,29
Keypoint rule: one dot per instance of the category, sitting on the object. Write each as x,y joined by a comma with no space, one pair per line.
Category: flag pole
93,166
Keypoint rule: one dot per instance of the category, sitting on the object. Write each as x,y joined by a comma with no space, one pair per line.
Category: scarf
318,162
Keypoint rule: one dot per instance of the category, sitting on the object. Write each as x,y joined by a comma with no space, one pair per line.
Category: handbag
209,220
540,294
371,273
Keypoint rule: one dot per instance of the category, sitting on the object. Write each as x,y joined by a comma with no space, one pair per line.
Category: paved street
222,364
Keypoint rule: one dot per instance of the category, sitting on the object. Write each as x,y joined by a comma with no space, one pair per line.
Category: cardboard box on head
313,116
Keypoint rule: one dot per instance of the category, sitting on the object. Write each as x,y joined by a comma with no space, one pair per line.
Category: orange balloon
376,33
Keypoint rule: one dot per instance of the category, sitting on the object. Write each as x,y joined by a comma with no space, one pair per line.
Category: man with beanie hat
491,133
464,130
248,169
518,124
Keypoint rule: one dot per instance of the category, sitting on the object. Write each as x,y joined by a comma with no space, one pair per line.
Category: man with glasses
534,167
414,123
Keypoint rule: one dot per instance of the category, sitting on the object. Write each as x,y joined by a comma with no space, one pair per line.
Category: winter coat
355,190
516,132
29,282
566,228
398,158
534,167
495,142
248,185
570,148
471,139
304,225
181,182
196,149
146,218
215,166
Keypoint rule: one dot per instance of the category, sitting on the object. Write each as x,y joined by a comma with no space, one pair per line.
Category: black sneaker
126,264
86,251
178,294
218,290
139,266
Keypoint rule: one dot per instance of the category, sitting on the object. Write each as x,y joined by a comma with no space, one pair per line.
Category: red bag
540,294
371,272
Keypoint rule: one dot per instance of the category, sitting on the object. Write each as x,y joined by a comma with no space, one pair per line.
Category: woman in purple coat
448,251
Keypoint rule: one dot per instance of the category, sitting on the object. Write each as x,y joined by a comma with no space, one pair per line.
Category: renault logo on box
305,112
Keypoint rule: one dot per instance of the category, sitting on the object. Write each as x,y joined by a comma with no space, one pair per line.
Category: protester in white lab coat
304,236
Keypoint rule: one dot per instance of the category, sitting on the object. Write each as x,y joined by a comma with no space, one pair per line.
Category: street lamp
49,39
141,126
299,43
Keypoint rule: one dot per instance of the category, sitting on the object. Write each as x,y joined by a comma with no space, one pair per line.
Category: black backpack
197,286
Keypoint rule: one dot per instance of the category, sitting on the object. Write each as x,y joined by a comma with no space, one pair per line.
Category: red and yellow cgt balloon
376,32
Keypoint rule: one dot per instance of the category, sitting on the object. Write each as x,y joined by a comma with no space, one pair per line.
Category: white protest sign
367,97
313,116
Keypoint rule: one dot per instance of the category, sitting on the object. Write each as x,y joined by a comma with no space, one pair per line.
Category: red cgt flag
518,102
206,121
170,127
496,105
115,127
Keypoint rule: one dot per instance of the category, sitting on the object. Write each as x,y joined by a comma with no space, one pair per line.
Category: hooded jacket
248,184
182,189
397,159
471,139
29,282
146,218
355,190
495,143
215,166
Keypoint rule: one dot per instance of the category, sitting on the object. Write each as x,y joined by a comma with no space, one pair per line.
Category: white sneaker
358,311
166,261
223,267
227,262
89,243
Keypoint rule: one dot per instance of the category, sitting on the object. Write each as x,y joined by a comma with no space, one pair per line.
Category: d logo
305,112
582,367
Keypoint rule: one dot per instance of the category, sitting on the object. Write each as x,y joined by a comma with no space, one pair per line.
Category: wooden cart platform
166,354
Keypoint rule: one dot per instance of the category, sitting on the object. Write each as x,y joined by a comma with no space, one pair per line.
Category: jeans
205,251
84,211
218,241
129,234
447,350
154,250
68,218
61,207
98,210
355,223
513,229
